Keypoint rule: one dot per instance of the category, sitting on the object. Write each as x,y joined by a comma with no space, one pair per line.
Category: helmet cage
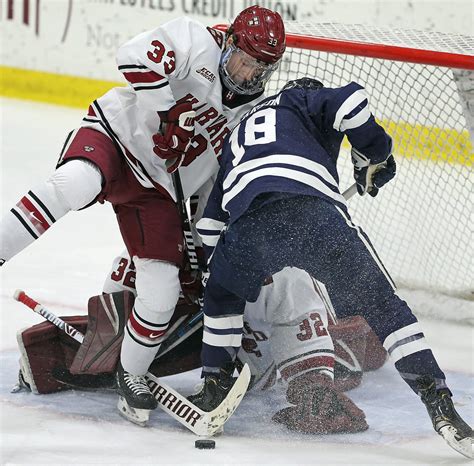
235,63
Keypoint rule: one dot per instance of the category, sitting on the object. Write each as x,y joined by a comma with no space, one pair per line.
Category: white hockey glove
371,177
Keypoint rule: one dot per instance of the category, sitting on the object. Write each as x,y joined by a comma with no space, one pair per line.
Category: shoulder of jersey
201,34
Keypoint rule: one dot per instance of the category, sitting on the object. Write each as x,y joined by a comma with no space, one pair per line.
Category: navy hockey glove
177,130
383,175
371,177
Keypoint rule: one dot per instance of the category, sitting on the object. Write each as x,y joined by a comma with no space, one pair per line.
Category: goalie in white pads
288,329
186,85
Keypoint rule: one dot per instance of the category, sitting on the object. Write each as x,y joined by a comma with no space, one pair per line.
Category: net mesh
420,222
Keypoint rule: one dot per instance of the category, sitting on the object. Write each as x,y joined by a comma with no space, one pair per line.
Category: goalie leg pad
349,336
99,352
319,408
44,349
375,353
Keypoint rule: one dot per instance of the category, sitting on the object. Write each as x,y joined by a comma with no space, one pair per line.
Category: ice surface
68,265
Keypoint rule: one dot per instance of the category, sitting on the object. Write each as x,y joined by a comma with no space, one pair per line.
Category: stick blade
201,423
212,422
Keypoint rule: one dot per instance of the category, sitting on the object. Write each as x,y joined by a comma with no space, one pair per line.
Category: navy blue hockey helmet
303,83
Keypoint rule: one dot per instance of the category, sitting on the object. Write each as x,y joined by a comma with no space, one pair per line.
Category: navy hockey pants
319,237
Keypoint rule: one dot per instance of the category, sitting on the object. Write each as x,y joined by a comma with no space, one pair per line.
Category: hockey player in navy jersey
277,203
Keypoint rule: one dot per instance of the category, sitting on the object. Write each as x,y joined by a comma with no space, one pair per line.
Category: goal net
420,222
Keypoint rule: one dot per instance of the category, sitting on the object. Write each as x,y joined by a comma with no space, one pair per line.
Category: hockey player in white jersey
187,85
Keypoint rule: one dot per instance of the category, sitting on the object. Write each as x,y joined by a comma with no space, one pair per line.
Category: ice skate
134,389
214,390
446,420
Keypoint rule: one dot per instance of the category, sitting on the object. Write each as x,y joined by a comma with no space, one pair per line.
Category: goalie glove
319,408
177,130
370,177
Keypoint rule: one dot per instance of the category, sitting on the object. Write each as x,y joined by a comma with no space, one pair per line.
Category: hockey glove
371,177
319,407
177,130
193,282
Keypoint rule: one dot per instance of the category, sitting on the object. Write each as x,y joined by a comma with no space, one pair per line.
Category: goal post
419,86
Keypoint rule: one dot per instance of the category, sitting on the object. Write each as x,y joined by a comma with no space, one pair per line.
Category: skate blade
463,446
22,384
139,417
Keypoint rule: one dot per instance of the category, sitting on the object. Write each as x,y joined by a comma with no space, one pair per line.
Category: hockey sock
403,338
157,288
142,340
45,204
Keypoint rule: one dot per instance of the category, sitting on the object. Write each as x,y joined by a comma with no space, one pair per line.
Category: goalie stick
200,422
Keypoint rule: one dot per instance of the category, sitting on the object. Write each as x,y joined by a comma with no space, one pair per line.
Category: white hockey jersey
177,60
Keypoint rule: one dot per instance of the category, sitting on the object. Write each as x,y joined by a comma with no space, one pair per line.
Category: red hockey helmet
254,52
260,33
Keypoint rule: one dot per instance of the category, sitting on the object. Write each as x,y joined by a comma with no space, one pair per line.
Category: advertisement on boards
80,37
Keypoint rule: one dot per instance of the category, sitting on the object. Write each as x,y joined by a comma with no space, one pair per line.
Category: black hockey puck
205,444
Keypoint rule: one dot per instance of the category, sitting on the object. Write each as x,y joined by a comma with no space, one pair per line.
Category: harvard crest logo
253,22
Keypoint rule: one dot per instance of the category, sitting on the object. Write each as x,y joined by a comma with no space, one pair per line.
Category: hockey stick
181,333
183,212
350,191
22,297
200,422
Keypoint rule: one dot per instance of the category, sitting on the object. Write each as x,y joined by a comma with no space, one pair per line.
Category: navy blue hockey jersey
289,143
